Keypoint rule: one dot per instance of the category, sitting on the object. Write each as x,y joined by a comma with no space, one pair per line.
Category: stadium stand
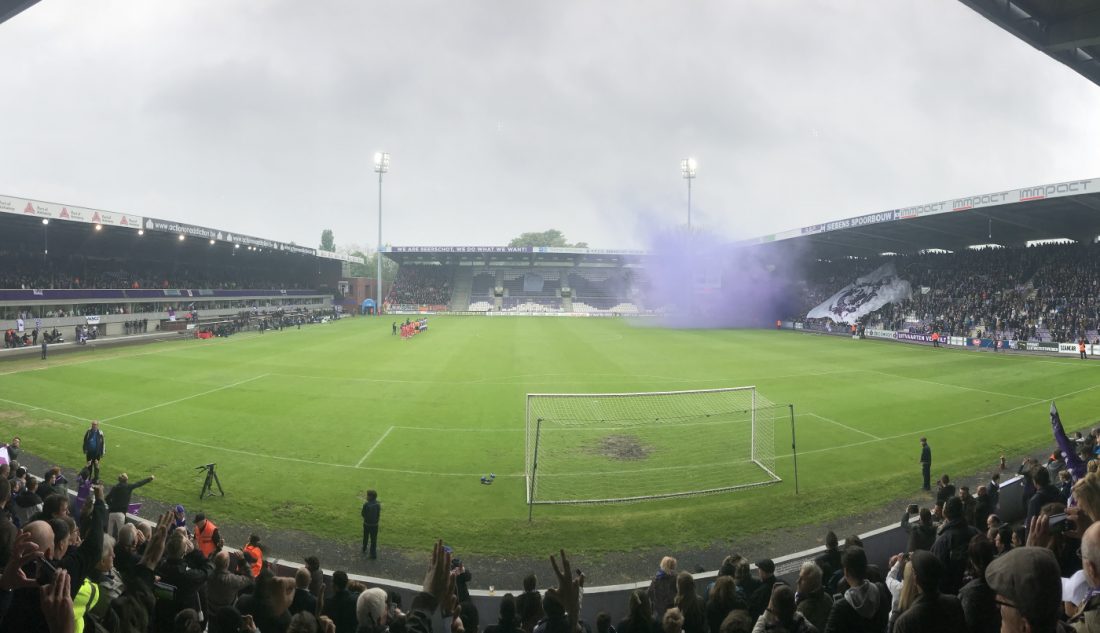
1042,293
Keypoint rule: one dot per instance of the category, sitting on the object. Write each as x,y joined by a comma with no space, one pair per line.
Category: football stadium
201,427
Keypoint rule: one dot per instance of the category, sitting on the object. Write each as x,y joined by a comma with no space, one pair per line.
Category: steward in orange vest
207,539
254,555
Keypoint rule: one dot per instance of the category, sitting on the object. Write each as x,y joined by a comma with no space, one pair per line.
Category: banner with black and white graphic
864,296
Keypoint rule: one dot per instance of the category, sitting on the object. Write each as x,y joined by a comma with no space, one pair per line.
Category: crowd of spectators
421,285
73,565
28,272
1050,291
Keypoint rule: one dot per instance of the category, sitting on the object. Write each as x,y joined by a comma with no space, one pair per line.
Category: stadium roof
1009,218
11,8
1067,30
69,213
512,255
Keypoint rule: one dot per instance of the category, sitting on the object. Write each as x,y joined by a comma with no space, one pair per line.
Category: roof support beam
1083,30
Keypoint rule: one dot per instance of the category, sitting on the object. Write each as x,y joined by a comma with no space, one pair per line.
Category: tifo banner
873,333
867,294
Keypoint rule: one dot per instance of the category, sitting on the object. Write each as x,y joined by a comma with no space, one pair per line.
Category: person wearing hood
932,612
865,606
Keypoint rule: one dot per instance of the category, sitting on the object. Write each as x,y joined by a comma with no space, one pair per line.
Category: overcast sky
262,116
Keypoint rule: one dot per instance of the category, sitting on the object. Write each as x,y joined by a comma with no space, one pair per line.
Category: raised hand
438,579
57,604
23,551
154,550
569,589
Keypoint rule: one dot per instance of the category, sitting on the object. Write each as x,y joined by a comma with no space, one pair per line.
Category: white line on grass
367,454
943,426
197,395
844,426
31,407
478,430
949,385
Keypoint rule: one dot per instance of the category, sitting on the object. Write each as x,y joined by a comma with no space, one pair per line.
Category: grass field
302,423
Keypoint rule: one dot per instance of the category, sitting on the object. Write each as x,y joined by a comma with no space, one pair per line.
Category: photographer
921,534
462,578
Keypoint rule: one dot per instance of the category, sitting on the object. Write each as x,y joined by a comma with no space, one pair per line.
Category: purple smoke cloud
701,281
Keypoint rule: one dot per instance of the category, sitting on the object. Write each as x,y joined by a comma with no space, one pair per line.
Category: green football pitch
302,423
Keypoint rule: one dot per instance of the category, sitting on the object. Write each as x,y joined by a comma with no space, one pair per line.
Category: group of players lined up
410,328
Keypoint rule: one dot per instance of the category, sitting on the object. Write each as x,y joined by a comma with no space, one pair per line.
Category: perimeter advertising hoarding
873,333
68,213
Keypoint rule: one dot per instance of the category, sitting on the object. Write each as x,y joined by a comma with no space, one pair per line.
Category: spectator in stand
944,490
508,619
370,612
639,617
529,604
186,569
932,612
979,603
810,599
728,568
28,503
1004,539
724,598
829,561
1044,493
1028,584
951,546
865,606
781,616
8,530
225,582
902,587
967,504
760,598
118,502
672,622
340,606
746,584
303,599
316,581
921,534
983,508
662,589
690,604
270,602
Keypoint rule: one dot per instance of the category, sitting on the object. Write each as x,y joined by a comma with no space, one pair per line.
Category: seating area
1044,293
421,285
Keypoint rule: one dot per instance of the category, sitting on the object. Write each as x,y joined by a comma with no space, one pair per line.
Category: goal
615,447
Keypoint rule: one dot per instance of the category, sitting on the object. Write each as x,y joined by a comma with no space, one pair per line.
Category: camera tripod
211,480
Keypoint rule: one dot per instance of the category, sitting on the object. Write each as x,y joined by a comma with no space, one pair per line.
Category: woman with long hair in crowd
639,618
690,604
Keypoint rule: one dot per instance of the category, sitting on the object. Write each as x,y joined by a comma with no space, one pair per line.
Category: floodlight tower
687,168
381,165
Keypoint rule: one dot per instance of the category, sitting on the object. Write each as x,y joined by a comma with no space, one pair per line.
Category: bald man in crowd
25,613
1088,614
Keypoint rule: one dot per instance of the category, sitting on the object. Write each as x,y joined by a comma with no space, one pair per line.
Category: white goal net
603,448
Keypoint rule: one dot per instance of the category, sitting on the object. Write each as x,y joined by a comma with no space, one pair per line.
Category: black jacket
939,613
979,605
118,499
921,536
371,512
951,548
341,608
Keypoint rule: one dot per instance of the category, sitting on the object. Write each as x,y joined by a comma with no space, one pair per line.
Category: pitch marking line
191,397
949,385
367,454
31,407
844,426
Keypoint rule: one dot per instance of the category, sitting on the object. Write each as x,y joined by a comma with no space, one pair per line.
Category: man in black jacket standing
118,502
371,512
926,463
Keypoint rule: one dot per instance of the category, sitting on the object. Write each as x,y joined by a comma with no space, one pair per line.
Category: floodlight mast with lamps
687,169
381,165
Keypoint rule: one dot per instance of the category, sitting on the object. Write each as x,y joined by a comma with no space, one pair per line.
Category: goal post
618,447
